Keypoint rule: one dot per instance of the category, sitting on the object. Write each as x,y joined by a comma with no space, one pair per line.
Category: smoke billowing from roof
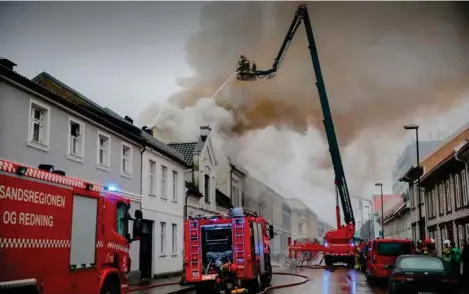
383,63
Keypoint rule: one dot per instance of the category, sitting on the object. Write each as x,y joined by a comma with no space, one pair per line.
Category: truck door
83,259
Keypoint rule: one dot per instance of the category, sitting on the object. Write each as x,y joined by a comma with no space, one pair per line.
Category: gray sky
123,55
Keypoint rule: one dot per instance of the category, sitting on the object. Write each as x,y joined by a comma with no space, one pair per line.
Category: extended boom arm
340,181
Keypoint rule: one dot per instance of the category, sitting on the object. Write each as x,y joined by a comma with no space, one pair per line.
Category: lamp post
421,220
380,185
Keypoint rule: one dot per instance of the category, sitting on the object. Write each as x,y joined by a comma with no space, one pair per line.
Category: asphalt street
322,281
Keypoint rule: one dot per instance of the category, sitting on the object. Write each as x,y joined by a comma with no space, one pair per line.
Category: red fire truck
61,235
240,238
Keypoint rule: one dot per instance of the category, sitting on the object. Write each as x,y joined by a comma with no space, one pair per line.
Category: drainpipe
141,169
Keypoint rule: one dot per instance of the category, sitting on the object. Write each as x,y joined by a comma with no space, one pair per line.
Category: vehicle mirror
137,228
129,238
271,232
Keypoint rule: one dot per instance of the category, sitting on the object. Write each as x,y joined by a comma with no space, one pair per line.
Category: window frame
448,196
126,173
107,166
152,178
207,187
44,143
162,238
457,188
81,156
464,192
174,241
164,182
175,189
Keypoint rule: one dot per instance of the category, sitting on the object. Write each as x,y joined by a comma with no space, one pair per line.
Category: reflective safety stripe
33,243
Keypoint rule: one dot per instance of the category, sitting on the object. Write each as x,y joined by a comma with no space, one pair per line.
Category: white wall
167,208
399,226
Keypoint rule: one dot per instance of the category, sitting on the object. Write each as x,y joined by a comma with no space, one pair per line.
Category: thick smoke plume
383,63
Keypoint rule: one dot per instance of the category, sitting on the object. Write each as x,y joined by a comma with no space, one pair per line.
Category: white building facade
163,187
201,173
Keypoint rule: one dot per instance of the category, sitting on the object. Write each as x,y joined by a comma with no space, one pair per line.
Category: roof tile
186,149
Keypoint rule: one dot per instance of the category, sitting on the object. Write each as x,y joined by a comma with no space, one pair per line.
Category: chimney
130,120
7,63
204,131
147,130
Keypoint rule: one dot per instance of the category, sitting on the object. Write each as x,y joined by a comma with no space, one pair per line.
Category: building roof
60,93
389,200
445,149
186,149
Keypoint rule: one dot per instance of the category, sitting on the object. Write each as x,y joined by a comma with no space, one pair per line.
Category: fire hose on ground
189,288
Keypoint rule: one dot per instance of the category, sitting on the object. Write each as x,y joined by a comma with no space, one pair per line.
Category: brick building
445,191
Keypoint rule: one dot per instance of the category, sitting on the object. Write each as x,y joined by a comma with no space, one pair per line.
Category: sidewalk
160,286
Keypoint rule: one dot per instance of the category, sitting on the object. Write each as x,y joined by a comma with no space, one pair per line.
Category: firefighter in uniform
243,64
446,254
357,257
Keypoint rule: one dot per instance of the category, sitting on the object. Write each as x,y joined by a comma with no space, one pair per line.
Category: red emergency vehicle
382,255
240,237
61,235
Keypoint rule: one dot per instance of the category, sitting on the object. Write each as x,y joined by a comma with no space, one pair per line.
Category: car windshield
394,248
429,263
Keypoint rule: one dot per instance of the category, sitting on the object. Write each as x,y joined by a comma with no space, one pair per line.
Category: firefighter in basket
243,64
227,280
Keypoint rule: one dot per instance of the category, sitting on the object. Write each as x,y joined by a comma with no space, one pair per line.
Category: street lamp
382,208
421,220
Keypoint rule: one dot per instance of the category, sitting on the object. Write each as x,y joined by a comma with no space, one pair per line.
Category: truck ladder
196,259
238,243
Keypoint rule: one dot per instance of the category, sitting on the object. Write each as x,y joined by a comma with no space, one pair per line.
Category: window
412,197
152,178
235,197
104,150
121,223
207,188
76,141
461,235
448,196
394,248
175,185
162,237
465,198
434,201
174,239
39,116
457,188
421,263
126,166
164,175
441,199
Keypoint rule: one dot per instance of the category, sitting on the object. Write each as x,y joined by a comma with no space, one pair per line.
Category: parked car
383,254
421,274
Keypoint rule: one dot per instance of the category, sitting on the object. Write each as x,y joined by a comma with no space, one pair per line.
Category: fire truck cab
60,234
241,238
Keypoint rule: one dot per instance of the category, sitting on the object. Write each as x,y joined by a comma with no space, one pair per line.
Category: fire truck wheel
257,284
328,261
111,286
